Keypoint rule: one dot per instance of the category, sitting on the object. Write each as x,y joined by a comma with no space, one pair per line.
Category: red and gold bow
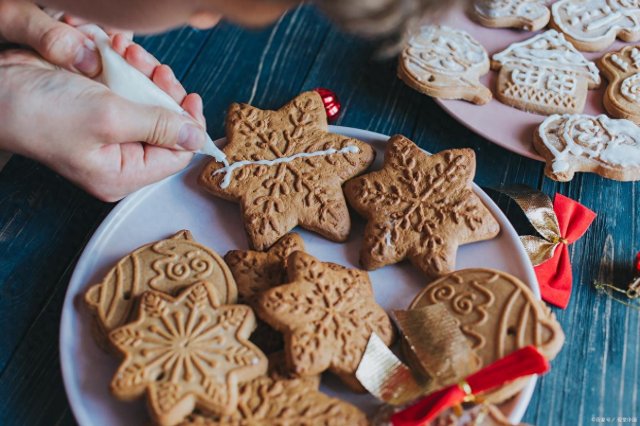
559,224
524,362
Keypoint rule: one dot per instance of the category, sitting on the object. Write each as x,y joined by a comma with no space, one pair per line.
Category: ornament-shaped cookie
529,15
593,25
583,143
185,353
499,314
327,314
286,169
420,207
622,69
544,74
168,266
445,63
256,272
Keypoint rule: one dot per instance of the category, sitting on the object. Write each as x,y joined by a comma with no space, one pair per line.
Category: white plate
178,203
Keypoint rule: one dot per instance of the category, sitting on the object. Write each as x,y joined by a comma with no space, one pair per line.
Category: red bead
637,265
331,102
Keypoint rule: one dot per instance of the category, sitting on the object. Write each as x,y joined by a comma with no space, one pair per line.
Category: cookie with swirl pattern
168,266
622,69
499,314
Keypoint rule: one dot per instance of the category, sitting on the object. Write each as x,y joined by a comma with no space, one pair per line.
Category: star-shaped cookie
268,401
420,207
256,272
286,169
185,353
327,314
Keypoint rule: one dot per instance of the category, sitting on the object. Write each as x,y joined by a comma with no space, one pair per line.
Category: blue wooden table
45,221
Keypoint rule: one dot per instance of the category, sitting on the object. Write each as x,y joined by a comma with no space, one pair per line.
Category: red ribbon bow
524,362
554,275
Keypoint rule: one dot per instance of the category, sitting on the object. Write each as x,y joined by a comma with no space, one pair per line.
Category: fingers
121,121
24,23
193,105
76,22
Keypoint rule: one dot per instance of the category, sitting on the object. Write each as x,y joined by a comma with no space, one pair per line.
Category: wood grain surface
45,221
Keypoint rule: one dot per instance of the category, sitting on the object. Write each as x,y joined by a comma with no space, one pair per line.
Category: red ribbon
524,362
554,275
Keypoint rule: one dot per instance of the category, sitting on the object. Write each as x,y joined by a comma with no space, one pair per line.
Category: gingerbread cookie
478,415
499,314
445,63
256,272
266,401
185,353
327,314
420,207
529,15
544,74
583,143
168,266
286,170
622,69
593,25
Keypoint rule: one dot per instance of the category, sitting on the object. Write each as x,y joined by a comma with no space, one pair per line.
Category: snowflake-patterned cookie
286,170
185,353
168,266
420,207
530,15
544,74
268,401
622,69
327,314
255,272
593,25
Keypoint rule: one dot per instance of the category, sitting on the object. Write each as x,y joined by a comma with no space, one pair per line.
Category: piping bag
131,84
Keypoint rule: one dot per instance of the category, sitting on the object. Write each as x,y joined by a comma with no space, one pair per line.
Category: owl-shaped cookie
622,69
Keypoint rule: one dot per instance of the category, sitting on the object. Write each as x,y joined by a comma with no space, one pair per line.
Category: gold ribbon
538,208
438,353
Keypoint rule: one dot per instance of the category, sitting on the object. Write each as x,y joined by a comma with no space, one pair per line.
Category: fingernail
191,138
87,59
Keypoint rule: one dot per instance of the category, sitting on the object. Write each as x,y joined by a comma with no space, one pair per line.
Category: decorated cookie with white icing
622,69
545,75
286,169
593,25
445,63
530,15
583,143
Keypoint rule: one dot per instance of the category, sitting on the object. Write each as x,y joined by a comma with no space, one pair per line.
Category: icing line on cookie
601,138
593,16
562,55
228,170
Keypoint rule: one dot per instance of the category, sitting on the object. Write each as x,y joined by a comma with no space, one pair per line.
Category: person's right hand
98,140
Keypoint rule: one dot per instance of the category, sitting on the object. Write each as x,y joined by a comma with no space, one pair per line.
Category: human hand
85,132
60,43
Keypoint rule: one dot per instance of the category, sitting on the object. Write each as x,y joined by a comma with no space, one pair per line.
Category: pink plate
503,125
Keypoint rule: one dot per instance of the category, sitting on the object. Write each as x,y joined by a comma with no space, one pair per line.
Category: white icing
229,169
560,82
550,51
131,84
630,88
525,9
445,51
621,63
635,57
594,20
601,139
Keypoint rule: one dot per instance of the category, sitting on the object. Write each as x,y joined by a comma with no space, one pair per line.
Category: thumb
24,23
157,126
